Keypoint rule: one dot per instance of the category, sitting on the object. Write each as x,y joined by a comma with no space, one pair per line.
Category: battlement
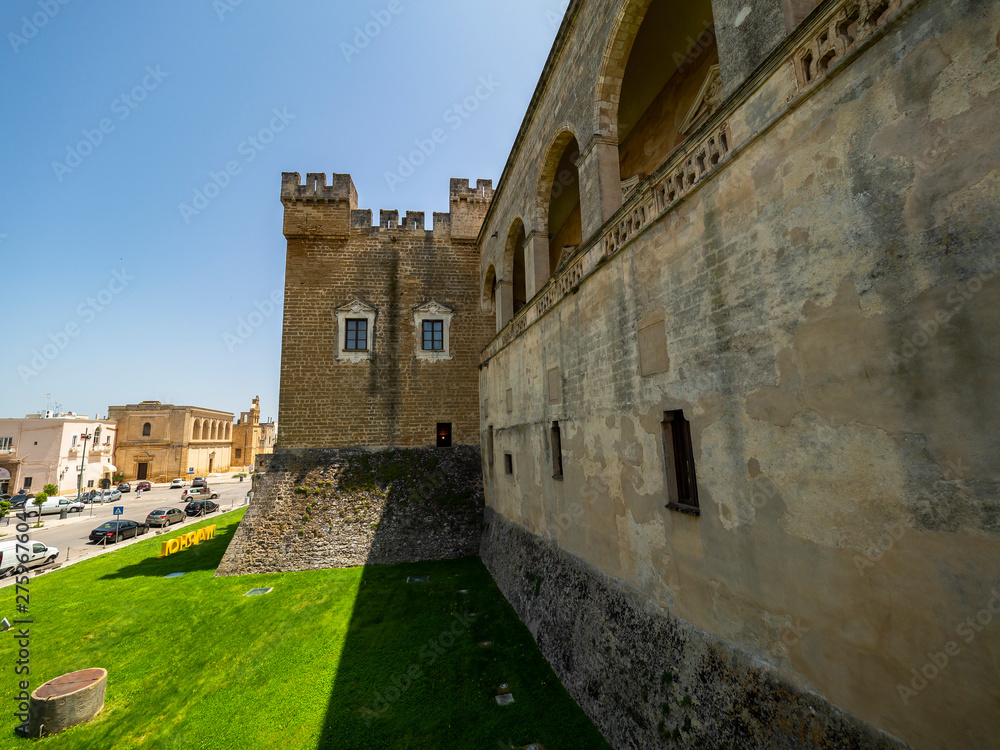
315,188
460,190
318,209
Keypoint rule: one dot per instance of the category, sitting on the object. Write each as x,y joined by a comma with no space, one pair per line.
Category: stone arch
489,298
204,429
196,430
616,55
147,429
558,204
660,83
229,431
514,268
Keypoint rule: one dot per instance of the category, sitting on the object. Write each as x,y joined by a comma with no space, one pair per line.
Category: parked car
38,554
143,487
18,501
107,496
196,494
113,531
177,484
198,482
124,487
163,517
5,497
54,504
201,507
89,495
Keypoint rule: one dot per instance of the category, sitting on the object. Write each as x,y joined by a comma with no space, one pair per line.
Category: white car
107,496
37,553
177,484
195,493
54,504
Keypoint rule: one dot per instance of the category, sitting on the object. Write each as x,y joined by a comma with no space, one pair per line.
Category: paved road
71,536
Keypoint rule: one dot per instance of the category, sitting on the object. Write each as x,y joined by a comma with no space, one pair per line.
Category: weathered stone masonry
816,292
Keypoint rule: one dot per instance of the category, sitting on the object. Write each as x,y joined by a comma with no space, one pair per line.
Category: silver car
195,493
164,517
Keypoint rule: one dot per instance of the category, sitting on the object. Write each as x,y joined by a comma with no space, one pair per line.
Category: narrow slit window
557,465
357,335
444,435
489,448
434,335
682,484
147,429
508,463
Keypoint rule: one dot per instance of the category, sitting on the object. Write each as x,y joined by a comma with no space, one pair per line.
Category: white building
49,449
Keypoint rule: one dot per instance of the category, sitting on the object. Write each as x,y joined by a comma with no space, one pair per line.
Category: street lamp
83,463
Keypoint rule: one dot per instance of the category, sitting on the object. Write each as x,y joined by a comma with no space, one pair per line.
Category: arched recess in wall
204,430
660,82
147,429
559,199
489,299
514,260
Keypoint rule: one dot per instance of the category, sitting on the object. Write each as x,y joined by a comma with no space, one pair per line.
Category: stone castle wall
350,507
335,257
647,678
813,282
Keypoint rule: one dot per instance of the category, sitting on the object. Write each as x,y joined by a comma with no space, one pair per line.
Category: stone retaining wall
648,679
349,507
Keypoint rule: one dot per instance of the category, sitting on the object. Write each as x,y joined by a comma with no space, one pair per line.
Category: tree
39,500
50,490
4,508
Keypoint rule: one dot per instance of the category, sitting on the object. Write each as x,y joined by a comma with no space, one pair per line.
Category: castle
726,332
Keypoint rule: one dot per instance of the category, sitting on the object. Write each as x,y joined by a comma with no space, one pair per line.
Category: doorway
444,435
142,472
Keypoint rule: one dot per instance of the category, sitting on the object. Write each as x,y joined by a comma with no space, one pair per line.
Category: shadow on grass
204,556
423,663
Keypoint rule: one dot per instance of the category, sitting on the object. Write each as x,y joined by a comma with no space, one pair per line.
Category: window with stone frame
432,326
355,331
357,335
433,335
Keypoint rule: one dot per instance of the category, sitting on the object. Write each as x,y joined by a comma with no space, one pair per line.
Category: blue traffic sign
119,509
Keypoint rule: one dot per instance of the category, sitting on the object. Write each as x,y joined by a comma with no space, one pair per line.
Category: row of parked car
109,532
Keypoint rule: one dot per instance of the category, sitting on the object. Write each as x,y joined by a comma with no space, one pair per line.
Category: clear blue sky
94,239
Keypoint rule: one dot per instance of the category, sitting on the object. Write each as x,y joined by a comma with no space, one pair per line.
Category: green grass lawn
354,658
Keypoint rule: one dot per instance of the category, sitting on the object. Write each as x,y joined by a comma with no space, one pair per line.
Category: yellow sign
187,540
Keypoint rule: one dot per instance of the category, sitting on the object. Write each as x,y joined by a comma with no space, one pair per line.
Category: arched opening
204,430
147,429
490,289
516,239
562,210
229,431
670,82
196,430
215,431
